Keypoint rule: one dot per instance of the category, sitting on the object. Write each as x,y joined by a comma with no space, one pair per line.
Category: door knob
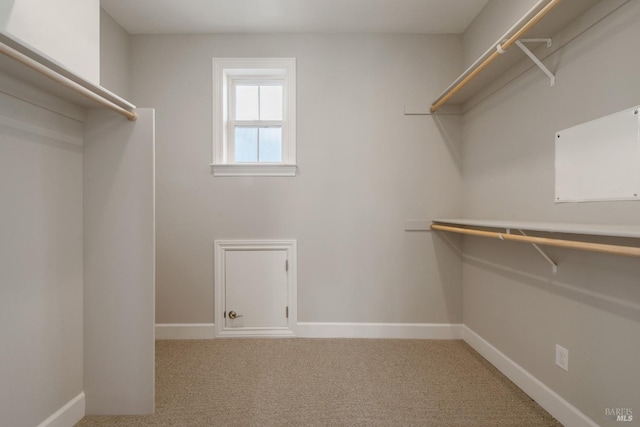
233,315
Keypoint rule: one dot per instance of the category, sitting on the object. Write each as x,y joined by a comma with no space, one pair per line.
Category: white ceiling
293,16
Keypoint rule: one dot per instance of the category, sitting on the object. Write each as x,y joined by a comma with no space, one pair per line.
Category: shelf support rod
554,266
64,81
493,54
535,59
570,244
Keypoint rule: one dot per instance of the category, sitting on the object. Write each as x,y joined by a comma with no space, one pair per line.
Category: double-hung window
254,117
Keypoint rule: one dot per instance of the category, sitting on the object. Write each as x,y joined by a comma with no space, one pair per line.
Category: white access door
256,289
256,293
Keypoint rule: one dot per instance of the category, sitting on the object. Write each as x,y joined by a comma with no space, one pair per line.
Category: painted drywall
40,261
115,56
511,298
67,31
5,12
119,263
364,168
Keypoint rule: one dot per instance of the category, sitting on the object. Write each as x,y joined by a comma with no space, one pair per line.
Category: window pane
271,144
247,102
270,102
246,144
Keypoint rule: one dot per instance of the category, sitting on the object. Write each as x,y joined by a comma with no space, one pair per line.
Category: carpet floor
329,382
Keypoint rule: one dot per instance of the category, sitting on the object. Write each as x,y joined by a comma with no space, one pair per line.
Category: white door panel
256,288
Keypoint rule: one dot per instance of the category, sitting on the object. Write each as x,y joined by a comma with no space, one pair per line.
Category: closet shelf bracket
519,43
554,266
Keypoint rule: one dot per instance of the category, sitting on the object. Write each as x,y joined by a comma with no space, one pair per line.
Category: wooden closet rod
500,48
572,244
47,72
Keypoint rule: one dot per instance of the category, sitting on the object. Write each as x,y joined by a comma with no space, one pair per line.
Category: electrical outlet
562,357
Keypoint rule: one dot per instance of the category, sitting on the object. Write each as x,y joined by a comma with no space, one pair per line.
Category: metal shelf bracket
554,266
534,58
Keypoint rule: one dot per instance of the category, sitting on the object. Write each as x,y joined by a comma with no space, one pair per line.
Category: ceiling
293,16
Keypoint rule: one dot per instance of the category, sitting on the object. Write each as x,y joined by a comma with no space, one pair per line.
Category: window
255,120
254,117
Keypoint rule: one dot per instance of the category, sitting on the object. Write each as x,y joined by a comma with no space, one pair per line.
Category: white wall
115,56
5,11
40,261
592,307
364,168
119,263
68,31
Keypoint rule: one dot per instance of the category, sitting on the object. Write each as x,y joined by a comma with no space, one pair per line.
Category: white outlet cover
562,357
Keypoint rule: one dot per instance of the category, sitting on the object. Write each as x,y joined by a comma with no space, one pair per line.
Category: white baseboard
433,331
551,401
68,415
185,331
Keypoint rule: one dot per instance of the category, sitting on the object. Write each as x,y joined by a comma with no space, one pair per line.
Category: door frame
220,249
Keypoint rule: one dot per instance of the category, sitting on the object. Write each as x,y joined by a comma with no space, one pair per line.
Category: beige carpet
335,382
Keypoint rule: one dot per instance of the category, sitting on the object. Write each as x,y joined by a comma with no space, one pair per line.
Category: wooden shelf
611,230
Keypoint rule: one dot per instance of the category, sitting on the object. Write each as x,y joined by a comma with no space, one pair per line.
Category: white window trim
223,68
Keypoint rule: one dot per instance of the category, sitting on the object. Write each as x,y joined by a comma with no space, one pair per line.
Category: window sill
254,170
